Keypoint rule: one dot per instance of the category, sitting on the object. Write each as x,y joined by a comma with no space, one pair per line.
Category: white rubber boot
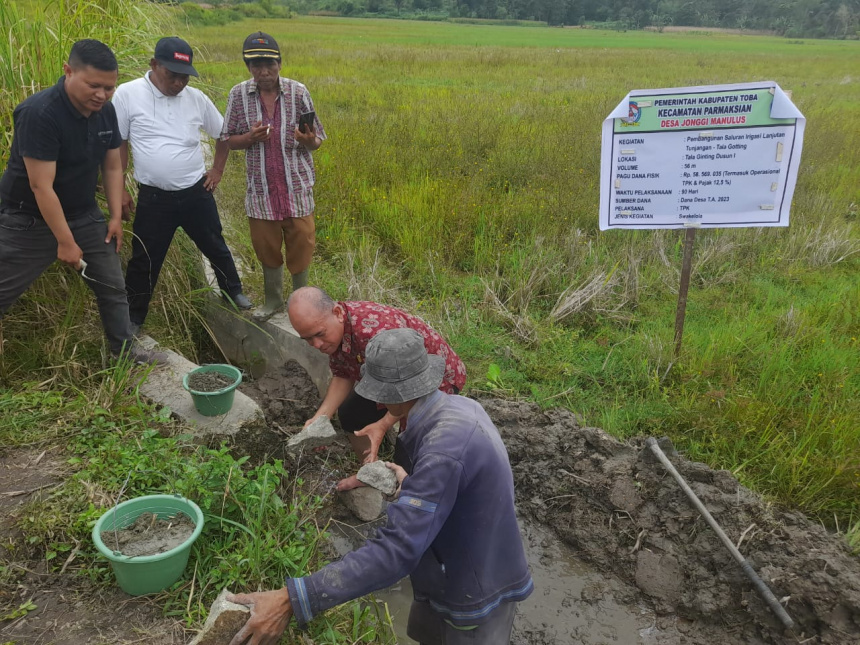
273,283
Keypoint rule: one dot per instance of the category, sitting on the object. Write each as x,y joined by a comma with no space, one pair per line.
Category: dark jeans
429,627
28,247
356,412
159,213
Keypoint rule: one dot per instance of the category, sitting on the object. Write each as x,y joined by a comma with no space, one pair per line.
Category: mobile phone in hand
306,121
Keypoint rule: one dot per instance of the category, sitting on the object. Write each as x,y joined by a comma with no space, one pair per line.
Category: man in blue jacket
453,529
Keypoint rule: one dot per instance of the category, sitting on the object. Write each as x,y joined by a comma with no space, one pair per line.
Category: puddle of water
399,600
571,603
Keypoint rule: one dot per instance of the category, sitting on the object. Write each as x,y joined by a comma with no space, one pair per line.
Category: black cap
176,55
260,45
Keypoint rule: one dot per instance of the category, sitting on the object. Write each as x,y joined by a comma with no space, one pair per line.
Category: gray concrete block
257,345
379,476
319,433
224,622
254,344
163,386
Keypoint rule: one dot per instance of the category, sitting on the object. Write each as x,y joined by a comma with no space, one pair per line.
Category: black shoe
240,301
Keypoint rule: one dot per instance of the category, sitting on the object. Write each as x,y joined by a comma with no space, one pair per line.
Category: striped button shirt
281,160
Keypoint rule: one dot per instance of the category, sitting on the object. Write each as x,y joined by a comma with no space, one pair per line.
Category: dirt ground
616,507
286,394
582,497
66,609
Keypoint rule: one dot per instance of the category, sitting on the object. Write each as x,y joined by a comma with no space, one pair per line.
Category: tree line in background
791,18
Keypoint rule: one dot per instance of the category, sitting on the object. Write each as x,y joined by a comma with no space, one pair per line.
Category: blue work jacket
453,529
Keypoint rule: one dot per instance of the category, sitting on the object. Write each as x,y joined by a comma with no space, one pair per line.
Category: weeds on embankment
37,39
260,522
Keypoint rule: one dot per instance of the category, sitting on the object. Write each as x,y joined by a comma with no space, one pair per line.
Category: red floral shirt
363,320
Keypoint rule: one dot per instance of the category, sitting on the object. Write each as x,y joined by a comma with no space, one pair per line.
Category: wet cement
209,381
150,535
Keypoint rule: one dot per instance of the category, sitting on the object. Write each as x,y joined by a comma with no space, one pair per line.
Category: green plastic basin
211,404
143,574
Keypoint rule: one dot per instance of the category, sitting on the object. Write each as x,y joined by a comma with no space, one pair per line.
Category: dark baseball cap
176,55
260,45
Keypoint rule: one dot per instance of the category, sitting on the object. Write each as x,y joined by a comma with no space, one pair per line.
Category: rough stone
364,502
319,433
624,495
659,575
379,476
225,620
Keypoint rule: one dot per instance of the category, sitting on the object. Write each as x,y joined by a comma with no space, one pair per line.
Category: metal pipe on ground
759,584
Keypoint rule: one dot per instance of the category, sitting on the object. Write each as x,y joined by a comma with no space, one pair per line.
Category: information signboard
711,156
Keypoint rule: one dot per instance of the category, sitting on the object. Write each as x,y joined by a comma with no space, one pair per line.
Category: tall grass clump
37,37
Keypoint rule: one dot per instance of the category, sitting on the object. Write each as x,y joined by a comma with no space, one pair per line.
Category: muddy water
572,603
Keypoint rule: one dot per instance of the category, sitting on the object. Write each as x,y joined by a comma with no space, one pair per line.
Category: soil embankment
655,573
617,507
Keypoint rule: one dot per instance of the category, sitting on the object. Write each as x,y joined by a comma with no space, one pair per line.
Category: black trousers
159,213
429,627
28,247
356,412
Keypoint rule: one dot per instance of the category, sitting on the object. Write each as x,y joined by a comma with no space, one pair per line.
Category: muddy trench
618,553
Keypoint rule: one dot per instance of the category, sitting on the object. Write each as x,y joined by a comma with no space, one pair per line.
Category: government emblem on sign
633,115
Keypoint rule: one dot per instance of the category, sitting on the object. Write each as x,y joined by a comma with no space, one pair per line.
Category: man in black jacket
64,136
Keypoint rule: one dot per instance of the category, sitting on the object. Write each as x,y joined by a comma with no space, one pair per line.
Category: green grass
260,522
460,180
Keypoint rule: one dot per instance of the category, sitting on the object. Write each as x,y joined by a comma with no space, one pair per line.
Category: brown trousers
293,236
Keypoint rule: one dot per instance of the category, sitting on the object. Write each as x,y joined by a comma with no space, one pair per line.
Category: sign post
686,268
718,156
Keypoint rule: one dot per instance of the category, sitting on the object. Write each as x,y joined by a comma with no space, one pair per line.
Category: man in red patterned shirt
342,330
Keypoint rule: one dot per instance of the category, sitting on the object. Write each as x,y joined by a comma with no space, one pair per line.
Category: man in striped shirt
263,119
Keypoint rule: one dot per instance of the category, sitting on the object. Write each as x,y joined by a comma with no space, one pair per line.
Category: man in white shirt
161,118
